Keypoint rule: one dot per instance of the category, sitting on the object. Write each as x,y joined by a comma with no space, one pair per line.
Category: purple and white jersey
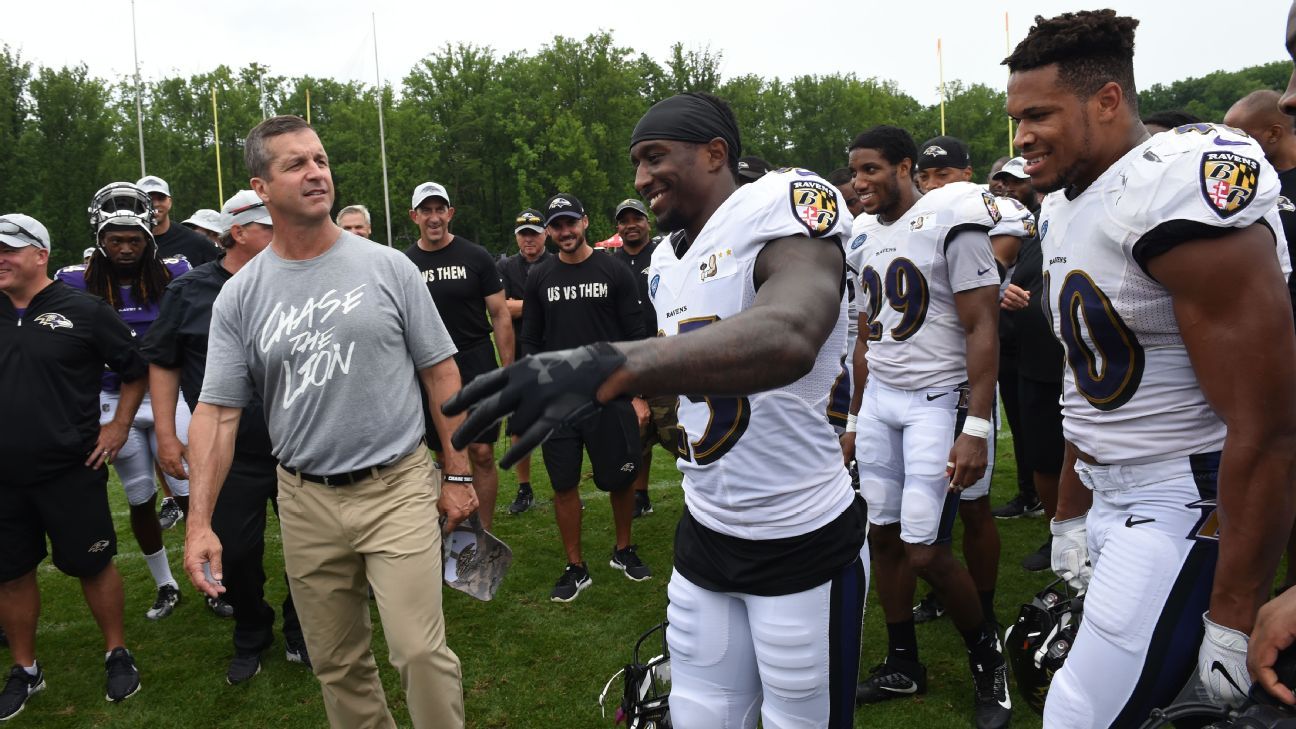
136,315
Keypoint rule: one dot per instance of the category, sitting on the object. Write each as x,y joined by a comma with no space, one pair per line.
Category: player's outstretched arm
212,431
1234,314
773,343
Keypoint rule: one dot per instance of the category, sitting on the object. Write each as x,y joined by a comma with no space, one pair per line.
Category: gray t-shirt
332,345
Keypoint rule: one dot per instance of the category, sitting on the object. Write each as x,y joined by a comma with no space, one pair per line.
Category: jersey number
1104,355
727,421
906,292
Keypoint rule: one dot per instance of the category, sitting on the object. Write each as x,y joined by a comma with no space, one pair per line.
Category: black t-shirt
460,276
1287,214
180,241
514,271
638,264
178,339
1039,354
573,304
51,362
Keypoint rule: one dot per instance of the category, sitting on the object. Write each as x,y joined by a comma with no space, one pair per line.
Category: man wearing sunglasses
54,343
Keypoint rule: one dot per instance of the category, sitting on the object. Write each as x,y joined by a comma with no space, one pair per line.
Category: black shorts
472,363
1041,424
70,508
612,440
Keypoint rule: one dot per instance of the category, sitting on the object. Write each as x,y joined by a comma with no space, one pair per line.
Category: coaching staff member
176,348
465,284
331,332
54,342
573,299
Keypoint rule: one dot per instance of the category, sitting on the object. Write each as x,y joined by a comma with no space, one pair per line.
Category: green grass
527,662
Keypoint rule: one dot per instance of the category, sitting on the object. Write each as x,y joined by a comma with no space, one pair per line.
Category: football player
925,368
749,290
1179,399
125,271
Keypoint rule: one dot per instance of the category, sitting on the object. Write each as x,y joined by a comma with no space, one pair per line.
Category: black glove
543,392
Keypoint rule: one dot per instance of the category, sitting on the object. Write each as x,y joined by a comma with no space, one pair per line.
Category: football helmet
1038,643
121,203
644,701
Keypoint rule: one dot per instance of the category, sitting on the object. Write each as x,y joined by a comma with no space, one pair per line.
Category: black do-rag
689,117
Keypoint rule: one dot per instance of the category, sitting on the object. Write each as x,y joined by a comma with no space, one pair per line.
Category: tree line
502,132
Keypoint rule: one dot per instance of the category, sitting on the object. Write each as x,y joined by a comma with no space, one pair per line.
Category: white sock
161,569
31,670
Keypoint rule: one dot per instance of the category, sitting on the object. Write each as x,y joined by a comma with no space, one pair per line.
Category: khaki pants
382,532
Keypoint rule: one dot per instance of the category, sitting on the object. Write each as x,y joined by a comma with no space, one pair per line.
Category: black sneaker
575,577
221,608
168,596
642,504
992,707
1019,505
928,609
892,681
627,560
524,501
4,639
170,513
295,652
18,688
243,668
1039,560
123,676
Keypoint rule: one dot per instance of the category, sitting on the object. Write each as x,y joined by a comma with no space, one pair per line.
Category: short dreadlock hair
1090,48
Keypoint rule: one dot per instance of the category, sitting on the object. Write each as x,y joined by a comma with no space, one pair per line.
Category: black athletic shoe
1019,506
123,676
295,652
243,668
1039,560
524,501
627,560
928,609
220,608
170,513
575,577
892,681
168,596
4,639
18,688
992,706
642,504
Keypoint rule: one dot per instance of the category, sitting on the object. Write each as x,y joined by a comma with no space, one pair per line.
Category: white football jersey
766,466
1130,395
908,277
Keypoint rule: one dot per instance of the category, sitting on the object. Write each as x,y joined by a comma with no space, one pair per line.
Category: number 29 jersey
1130,394
909,271
768,465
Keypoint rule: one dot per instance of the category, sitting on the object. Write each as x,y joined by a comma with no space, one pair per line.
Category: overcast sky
891,40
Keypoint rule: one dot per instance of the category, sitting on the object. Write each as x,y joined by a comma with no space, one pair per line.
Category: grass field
527,662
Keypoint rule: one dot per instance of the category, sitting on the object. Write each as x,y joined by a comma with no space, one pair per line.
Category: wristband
457,478
851,422
976,427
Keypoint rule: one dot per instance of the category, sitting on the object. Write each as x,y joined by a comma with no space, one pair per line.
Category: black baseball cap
943,152
629,204
752,167
529,219
562,205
